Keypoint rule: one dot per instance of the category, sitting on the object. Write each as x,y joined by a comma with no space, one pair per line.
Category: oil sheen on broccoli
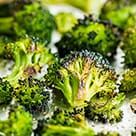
94,35
79,76
32,94
19,123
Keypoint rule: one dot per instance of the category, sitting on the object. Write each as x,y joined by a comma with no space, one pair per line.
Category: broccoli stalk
64,123
79,77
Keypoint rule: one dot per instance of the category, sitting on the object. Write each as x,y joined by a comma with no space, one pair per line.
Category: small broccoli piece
64,123
54,130
94,35
104,109
80,76
29,57
6,91
129,46
128,83
37,22
118,12
32,94
133,105
19,123
65,21
108,134
89,6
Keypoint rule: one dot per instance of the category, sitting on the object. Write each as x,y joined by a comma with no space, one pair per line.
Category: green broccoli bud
32,94
65,21
6,91
94,35
133,105
29,57
80,76
128,46
105,109
35,19
118,12
128,83
19,123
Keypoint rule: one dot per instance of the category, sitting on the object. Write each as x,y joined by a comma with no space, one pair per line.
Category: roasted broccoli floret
90,34
63,123
32,94
133,105
19,123
37,22
6,91
65,21
29,57
80,76
129,46
119,12
128,83
105,109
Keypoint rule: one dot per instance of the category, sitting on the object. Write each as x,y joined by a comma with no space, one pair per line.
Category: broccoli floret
108,134
105,109
32,94
133,105
6,91
128,83
64,123
90,34
118,12
19,123
80,76
65,21
129,46
29,57
37,22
